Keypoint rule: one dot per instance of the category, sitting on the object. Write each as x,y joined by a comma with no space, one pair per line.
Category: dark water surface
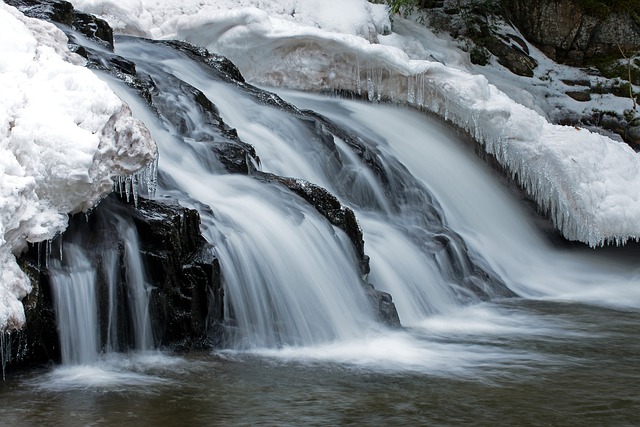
582,370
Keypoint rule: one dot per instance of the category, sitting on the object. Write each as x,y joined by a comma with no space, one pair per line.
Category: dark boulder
37,342
512,54
186,303
183,271
383,306
579,95
575,31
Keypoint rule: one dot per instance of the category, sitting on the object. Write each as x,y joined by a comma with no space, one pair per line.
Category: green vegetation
402,7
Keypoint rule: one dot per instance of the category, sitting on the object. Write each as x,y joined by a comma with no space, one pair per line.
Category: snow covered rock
64,135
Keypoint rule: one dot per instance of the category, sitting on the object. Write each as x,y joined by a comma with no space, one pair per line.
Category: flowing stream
446,237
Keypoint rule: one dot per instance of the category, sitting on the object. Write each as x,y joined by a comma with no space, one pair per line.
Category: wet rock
579,95
37,342
613,123
384,307
183,271
632,135
202,123
227,70
627,126
577,82
549,51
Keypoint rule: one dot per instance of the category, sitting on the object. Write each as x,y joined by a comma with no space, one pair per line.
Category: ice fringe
144,181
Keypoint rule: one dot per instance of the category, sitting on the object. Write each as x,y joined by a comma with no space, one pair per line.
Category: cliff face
574,32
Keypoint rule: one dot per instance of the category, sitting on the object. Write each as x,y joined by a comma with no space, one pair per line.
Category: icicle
118,184
411,90
134,188
5,351
127,187
379,84
39,254
370,85
150,178
358,81
420,91
60,247
47,254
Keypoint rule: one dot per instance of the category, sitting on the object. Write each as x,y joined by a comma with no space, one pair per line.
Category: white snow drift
63,136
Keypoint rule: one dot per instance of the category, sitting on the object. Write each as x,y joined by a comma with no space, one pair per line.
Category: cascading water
427,271
490,219
114,281
75,298
138,289
291,278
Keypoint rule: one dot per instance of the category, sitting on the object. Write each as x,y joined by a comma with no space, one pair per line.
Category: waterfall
111,266
484,211
76,306
101,294
428,269
290,277
137,286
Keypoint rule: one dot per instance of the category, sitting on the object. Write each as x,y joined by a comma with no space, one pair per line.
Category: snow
63,136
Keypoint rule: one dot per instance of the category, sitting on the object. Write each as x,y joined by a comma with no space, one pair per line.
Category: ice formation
589,184
64,136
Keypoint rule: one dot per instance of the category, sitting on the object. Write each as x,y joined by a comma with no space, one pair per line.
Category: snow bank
63,136
588,183
153,18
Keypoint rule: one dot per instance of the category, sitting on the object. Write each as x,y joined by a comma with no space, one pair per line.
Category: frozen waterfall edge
555,165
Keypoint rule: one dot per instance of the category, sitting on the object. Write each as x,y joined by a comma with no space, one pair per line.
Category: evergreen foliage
403,7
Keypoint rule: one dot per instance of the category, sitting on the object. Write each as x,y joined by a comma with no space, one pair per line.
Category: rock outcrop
573,32
187,307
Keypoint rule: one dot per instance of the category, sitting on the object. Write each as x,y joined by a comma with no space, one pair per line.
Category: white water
479,207
290,277
75,299
419,283
138,288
